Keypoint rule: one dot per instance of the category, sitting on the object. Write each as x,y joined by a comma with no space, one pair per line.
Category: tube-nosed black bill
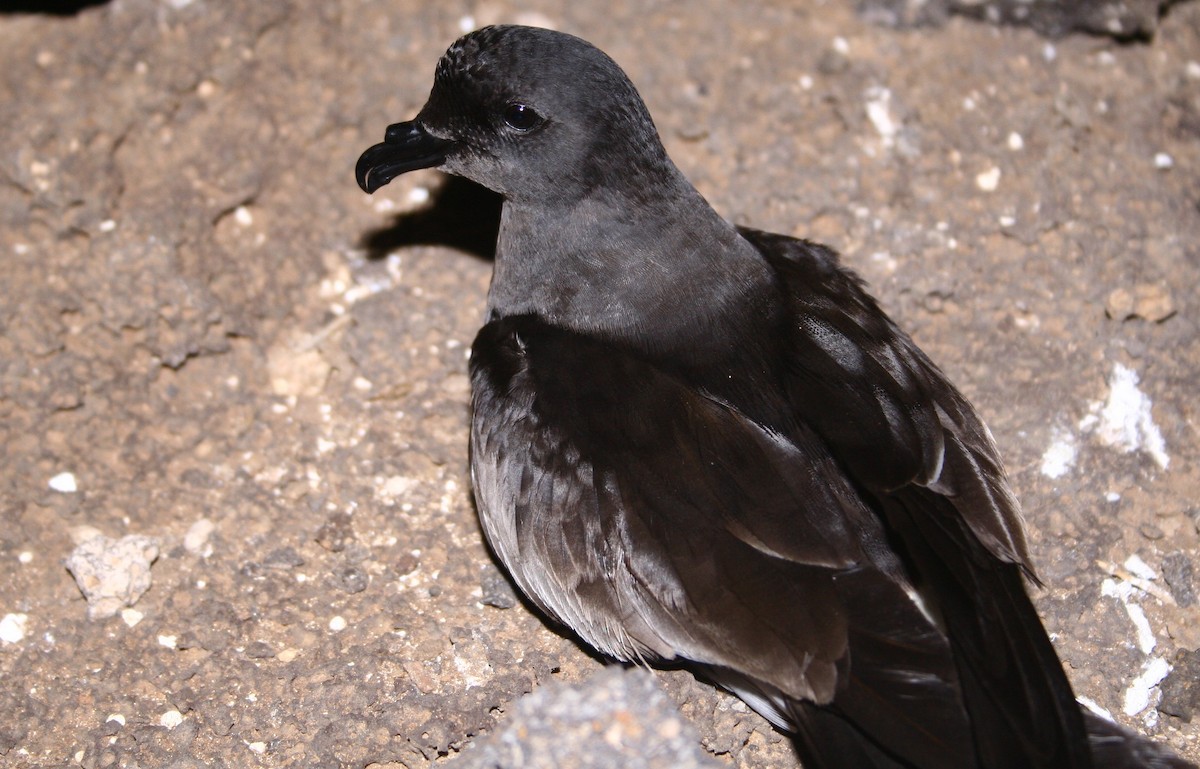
405,147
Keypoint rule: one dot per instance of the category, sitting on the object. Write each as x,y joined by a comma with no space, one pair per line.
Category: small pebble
1149,301
131,617
1150,531
12,628
112,573
1163,161
198,540
170,719
988,180
64,483
337,624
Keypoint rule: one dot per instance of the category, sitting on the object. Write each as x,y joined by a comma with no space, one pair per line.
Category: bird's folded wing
923,460
884,410
657,521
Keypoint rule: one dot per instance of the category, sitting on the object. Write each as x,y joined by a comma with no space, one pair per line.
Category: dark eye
522,117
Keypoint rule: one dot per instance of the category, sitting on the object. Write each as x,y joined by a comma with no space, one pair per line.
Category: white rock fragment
169,641
64,483
337,624
1145,634
418,195
258,747
1015,141
1137,696
1139,568
1124,421
878,107
1060,456
12,628
1163,161
24,557
198,540
118,718
170,719
131,617
397,486
112,573
988,180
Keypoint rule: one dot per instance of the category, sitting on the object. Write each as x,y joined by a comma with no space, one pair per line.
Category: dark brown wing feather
657,521
917,452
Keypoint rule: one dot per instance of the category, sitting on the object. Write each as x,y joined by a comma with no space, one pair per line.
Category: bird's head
530,113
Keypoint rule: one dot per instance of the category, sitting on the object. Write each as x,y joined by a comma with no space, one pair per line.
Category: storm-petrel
703,443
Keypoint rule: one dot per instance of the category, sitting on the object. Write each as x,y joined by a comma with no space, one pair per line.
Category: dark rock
616,719
1179,574
1181,688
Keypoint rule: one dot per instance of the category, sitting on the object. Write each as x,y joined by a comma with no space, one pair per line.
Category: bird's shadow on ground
460,215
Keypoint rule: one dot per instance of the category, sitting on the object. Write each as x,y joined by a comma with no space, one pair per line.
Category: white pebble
418,195
988,180
257,747
116,718
25,557
108,225
131,617
1163,161
168,641
170,719
198,539
466,24
12,628
242,216
337,624
65,483
1192,70
1015,142
840,45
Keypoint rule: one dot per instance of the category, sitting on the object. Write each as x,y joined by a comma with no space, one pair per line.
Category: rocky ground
213,340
